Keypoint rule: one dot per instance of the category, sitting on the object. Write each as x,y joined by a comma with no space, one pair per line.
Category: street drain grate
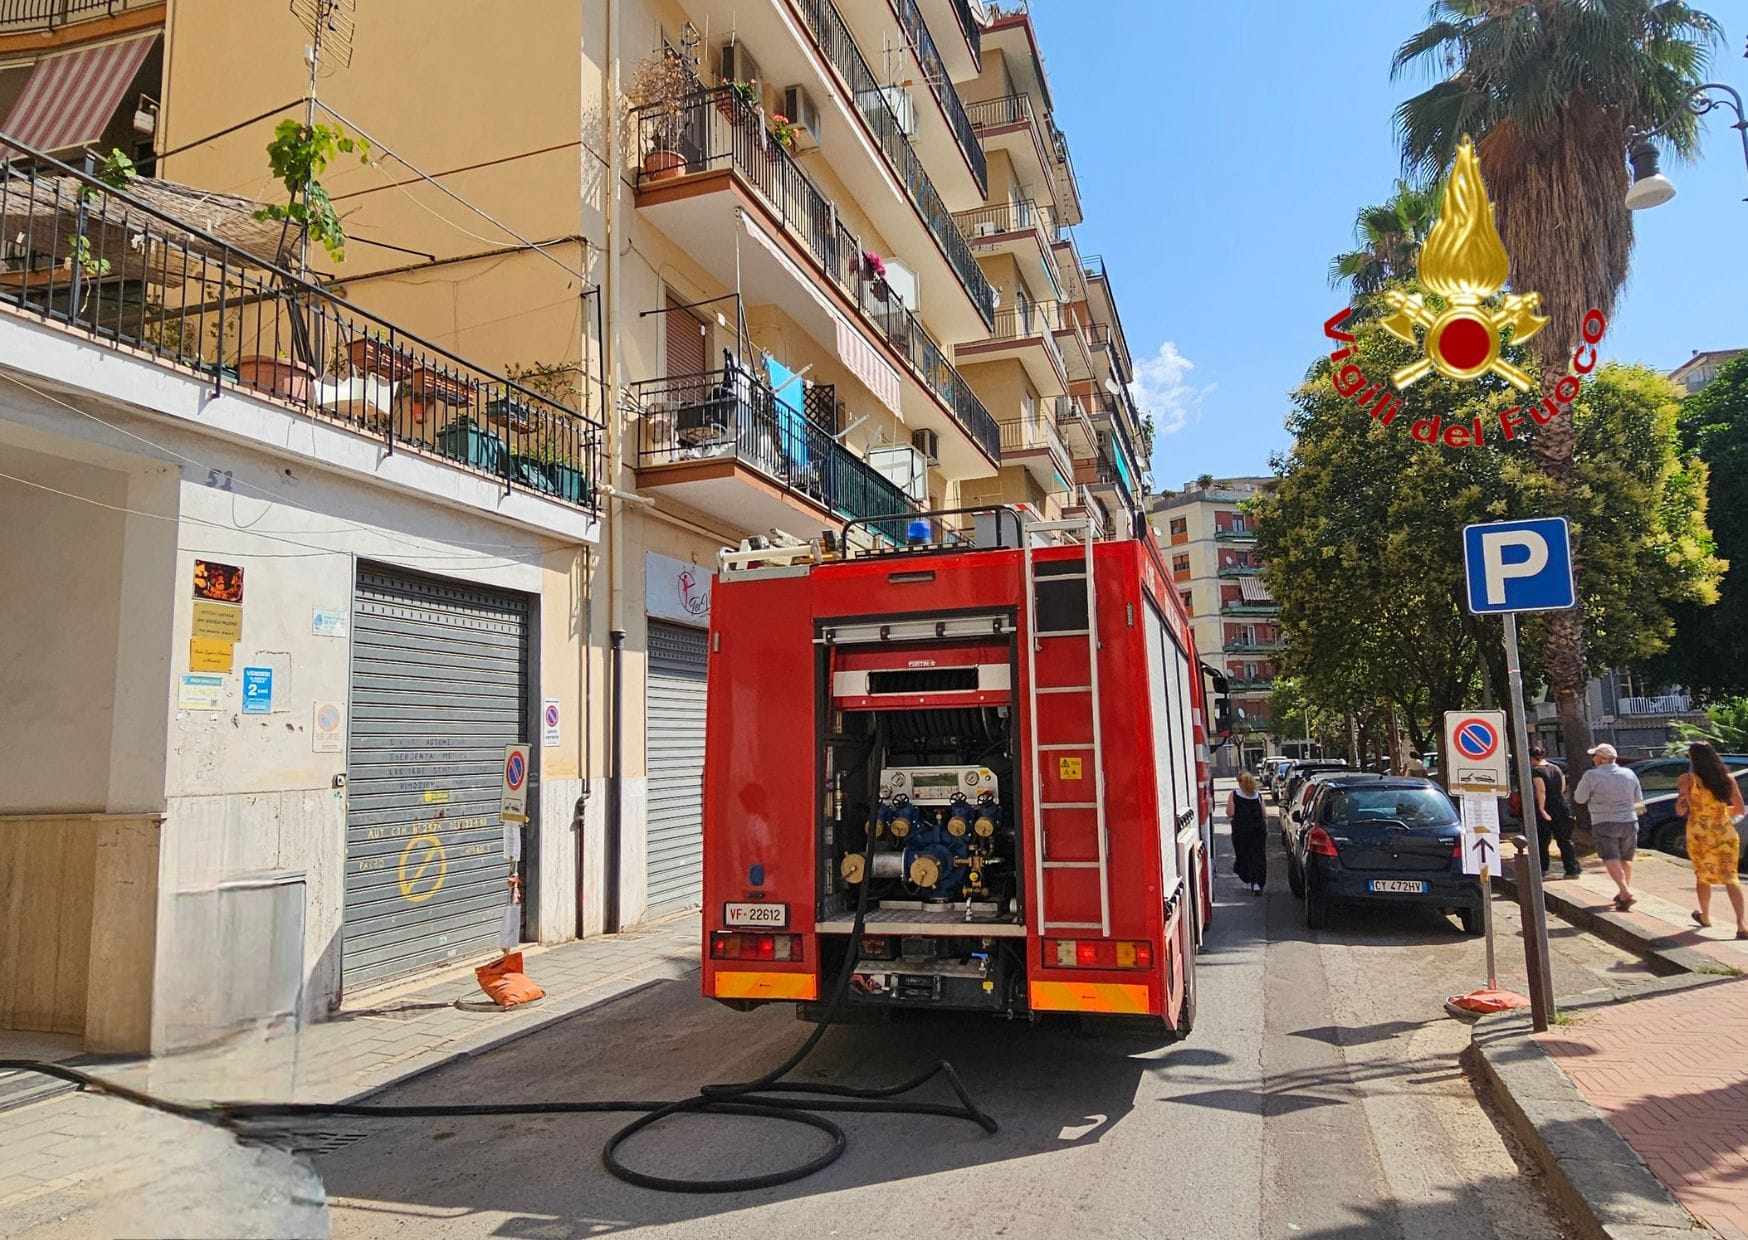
306,1142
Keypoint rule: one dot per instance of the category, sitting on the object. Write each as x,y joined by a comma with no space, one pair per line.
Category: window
1180,525
1180,567
1185,596
1413,807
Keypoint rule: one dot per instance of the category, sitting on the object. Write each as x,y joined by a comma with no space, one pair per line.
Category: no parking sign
1475,741
513,806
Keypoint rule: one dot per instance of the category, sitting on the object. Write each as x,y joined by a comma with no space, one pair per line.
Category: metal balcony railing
916,30
1030,434
714,129
1240,570
831,35
969,27
1005,217
1025,323
1235,533
1661,704
1248,607
1239,645
24,16
110,265
730,413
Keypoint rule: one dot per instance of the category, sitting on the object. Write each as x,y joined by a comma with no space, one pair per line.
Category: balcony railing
1240,570
1030,434
1236,533
968,25
1005,217
1025,322
935,72
1249,684
731,414
121,271
835,42
24,16
1240,645
715,130
1247,607
1661,704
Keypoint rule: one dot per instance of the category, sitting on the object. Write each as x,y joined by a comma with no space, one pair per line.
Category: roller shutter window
439,688
685,340
674,745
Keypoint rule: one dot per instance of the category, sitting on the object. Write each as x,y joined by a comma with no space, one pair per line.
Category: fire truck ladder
1092,746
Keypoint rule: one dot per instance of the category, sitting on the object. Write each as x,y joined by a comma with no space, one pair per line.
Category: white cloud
1162,388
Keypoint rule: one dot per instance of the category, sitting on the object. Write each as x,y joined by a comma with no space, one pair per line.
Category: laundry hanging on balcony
854,349
70,98
791,419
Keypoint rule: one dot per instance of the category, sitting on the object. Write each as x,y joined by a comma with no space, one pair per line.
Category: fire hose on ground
768,1097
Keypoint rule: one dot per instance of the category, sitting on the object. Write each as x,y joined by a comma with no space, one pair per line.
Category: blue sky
1222,151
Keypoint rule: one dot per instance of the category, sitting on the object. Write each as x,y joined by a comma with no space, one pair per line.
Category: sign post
1514,566
1481,857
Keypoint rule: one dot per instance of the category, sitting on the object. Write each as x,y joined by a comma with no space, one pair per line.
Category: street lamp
1650,188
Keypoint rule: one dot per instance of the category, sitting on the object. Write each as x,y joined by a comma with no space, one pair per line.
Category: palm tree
1552,91
1389,236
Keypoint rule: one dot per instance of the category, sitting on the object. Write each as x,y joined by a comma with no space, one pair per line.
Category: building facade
646,280
1210,546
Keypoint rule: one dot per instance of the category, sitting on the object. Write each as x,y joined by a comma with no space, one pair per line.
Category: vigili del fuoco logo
1464,262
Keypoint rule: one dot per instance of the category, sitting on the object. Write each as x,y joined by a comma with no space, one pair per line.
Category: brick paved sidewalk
66,1155
1671,1075
1664,887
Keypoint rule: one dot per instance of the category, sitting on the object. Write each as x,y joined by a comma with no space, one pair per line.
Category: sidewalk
75,1164
1665,1067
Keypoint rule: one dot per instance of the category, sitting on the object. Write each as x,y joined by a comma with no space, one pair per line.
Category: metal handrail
24,16
928,56
103,261
832,36
969,27
714,128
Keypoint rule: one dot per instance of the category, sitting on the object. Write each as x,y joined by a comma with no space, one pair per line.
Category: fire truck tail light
736,945
1097,954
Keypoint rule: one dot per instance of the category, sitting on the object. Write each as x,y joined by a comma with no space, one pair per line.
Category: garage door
674,735
439,688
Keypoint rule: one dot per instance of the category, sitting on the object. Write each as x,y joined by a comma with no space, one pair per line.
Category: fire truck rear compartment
934,784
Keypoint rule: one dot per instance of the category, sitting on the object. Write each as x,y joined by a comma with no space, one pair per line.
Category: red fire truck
990,745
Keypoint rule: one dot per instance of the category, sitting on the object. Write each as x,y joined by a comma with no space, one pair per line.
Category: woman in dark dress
1249,834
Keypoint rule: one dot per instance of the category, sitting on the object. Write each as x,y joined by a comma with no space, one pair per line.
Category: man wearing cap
1613,794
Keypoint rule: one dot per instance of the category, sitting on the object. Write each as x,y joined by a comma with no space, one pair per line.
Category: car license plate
1403,885
775,915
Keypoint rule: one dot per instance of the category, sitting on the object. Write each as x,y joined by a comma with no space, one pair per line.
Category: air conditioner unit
985,228
737,64
904,467
146,117
799,107
927,442
902,106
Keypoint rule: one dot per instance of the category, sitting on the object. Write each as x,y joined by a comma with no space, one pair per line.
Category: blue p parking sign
1519,566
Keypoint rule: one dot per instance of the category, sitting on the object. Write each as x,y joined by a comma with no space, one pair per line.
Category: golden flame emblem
1464,262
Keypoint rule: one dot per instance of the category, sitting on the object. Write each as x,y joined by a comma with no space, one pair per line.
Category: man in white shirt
1613,795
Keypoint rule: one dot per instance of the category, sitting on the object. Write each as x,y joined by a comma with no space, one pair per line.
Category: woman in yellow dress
1711,801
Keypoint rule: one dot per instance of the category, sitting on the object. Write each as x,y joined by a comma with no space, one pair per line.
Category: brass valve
984,826
900,828
925,871
957,826
853,867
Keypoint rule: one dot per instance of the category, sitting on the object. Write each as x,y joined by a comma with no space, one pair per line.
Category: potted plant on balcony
874,271
741,96
660,85
784,132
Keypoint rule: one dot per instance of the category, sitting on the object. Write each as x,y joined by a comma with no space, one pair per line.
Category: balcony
940,83
836,44
1235,534
1250,684
1034,443
1067,184
1247,645
1020,230
41,16
1240,570
1076,427
1022,335
729,161
1250,607
723,443
120,269
1104,299
1071,339
1011,124
1661,704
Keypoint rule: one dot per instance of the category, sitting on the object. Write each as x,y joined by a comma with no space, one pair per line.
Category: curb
1599,1180
1666,955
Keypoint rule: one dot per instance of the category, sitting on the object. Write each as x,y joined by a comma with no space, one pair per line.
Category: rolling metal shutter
685,339
439,688
674,744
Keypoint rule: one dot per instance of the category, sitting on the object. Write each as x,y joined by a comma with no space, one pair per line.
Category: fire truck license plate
756,914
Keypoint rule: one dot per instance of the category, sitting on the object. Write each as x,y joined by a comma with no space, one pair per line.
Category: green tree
1362,535
1551,90
1388,237
1707,656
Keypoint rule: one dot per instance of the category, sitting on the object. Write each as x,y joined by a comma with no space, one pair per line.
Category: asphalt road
1320,1097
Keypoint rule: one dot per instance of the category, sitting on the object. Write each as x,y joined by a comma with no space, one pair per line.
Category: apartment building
622,286
1210,547
288,578
1055,361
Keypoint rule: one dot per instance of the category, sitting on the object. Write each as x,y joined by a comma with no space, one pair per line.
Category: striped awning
71,97
1252,590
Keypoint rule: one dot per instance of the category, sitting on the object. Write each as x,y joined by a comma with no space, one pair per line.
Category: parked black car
1292,816
1660,827
1393,839
1300,771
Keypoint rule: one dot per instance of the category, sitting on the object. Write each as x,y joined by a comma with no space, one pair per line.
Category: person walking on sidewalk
1249,834
1552,812
1711,802
1613,794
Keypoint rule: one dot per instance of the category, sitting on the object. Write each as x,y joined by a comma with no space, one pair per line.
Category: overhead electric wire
227,131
